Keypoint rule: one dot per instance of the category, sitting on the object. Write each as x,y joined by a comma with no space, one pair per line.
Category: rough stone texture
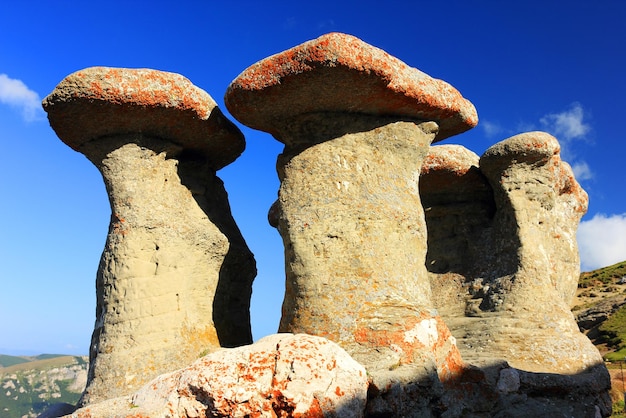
340,73
282,375
357,124
459,205
503,264
174,279
102,101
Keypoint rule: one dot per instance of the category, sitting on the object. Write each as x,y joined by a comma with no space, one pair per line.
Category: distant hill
6,361
30,384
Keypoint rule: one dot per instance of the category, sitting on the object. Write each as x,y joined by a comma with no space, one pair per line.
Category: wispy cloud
582,171
491,129
602,241
17,94
290,23
567,125
325,24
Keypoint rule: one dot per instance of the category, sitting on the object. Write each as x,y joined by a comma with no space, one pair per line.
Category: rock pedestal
174,280
503,264
538,207
356,124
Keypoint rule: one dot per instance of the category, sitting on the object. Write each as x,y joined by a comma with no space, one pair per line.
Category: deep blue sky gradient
517,62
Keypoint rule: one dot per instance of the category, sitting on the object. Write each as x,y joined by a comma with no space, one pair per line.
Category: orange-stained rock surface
356,124
102,101
282,375
341,73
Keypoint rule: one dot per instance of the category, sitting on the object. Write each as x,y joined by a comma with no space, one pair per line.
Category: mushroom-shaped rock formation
356,124
538,207
503,263
175,276
340,73
458,204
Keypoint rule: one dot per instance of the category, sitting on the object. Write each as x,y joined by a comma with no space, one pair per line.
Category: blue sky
533,65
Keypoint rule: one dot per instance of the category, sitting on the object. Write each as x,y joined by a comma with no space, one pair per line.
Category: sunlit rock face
281,375
356,124
174,280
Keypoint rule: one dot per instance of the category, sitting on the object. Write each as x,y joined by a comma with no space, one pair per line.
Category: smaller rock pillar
356,124
175,277
539,204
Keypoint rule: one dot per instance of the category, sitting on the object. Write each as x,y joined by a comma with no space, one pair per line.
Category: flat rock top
340,73
103,101
527,147
449,158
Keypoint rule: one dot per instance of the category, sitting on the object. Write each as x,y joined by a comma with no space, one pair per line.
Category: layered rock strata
356,124
281,375
175,276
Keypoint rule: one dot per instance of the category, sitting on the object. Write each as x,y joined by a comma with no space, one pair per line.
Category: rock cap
104,101
528,147
341,73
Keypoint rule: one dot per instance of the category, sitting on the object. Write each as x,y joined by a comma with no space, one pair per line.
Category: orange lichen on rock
340,73
102,101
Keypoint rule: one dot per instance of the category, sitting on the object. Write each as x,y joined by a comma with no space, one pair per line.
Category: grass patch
613,334
606,275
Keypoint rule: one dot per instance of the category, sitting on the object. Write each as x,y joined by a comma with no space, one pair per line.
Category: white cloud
568,124
602,241
15,93
582,171
491,129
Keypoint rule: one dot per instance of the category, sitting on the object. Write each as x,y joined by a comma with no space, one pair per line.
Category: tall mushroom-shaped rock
503,264
175,276
356,124
533,248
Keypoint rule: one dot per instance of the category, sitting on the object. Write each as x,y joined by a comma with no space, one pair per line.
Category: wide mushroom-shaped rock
356,124
341,73
174,280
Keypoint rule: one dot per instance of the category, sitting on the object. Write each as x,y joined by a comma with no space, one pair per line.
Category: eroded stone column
539,205
356,124
503,264
174,280
504,256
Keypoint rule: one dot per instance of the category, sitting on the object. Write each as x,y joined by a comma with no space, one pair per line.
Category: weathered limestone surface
174,280
503,260
281,375
356,124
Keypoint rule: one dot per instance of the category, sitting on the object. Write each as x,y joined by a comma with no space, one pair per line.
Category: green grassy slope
603,276
6,361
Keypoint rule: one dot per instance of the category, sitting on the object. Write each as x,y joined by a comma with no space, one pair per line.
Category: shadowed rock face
174,280
349,210
502,252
